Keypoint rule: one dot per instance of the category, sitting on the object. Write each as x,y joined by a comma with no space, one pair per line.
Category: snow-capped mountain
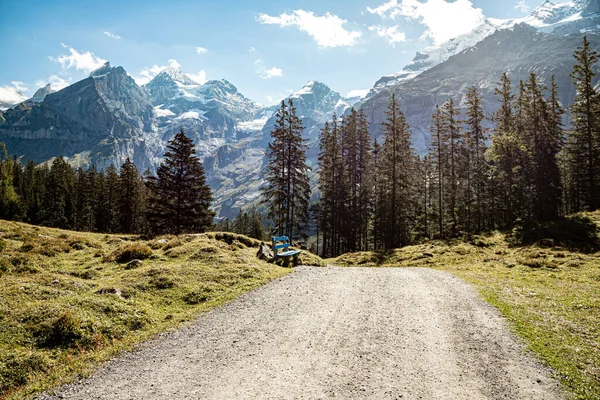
565,18
519,50
213,113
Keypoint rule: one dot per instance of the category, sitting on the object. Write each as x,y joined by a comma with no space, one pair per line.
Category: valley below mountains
107,117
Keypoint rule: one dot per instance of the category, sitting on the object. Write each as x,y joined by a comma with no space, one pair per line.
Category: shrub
63,330
162,282
131,252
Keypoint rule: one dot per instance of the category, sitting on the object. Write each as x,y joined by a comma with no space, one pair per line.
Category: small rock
161,241
430,255
115,291
265,252
55,282
134,264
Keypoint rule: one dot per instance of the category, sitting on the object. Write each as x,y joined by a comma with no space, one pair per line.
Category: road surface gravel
347,333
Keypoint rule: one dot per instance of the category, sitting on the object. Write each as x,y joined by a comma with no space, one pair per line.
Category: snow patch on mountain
253,126
160,112
193,114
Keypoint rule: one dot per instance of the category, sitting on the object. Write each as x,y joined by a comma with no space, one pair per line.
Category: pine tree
397,169
179,198
9,200
503,156
379,198
364,177
475,137
585,136
543,140
129,198
438,156
58,197
451,131
287,191
111,200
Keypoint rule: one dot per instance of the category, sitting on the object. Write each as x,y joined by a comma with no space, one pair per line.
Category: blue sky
266,48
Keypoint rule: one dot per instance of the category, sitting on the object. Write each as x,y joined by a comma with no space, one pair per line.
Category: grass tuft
137,251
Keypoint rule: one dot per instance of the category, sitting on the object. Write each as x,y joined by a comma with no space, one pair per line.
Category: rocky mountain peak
103,70
175,75
41,93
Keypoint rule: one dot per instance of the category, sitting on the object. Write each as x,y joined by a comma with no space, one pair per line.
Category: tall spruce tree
130,198
475,137
58,196
504,156
543,140
397,170
287,191
451,131
585,136
9,200
179,198
439,159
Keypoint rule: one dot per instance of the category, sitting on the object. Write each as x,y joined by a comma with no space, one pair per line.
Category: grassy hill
70,300
544,279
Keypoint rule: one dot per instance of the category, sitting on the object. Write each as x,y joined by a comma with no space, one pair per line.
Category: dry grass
551,295
71,300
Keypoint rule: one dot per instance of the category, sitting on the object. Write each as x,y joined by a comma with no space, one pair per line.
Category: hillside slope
72,299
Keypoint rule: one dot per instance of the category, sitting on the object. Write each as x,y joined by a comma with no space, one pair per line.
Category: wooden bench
284,244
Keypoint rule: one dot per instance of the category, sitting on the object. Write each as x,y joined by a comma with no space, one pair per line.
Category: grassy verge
551,295
70,300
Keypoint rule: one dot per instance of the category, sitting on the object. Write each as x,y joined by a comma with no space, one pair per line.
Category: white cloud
252,49
270,73
55,81
201,50
357,93
270,99
112,35
146,74
200,77
326,30
444,20
390,33
522,6
12,94
86,61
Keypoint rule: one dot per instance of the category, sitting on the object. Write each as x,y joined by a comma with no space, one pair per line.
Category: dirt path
331,332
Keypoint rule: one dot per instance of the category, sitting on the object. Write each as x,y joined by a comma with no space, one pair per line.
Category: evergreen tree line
249,223
176,200
526,169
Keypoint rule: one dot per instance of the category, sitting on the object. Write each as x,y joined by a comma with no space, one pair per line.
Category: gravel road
334,333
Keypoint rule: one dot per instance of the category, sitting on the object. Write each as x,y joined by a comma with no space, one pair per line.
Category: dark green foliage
247,223
583,150
577,233
130,199
58,205
396,172
179,198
